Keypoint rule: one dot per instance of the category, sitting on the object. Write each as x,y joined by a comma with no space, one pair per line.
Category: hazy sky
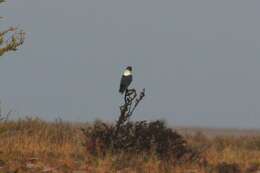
198,60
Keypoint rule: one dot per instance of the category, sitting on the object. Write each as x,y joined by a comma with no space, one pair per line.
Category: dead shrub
140,137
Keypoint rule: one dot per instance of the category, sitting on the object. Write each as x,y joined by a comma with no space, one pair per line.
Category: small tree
10,39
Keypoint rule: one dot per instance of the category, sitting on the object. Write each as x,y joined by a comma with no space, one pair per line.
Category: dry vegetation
33,145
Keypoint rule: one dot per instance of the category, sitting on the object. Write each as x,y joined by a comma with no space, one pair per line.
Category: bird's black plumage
126,79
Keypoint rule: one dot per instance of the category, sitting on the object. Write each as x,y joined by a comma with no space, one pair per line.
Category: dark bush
228,168
138,137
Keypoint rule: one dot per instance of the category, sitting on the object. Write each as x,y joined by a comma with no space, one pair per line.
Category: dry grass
54,144
33,145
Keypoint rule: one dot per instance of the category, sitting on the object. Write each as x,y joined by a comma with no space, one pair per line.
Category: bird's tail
121,89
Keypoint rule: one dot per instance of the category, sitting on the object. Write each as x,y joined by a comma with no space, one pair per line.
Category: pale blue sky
198,60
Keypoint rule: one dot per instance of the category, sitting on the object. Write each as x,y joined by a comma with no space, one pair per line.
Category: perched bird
126,79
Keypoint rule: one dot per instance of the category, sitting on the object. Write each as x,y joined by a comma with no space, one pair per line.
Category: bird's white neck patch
127,73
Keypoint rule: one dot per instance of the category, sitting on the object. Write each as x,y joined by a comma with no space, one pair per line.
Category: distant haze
198,60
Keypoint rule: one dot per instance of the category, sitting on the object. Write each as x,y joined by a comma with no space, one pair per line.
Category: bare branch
13,42
127,109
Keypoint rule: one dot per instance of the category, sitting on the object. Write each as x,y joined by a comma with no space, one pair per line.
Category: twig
127,109
137,101
15,40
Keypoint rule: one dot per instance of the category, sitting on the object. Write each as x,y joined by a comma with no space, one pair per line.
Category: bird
126,79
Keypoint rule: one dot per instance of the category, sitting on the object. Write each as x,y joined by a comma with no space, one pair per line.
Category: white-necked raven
126,79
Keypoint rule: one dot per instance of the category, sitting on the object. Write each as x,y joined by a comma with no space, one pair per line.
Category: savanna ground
33,145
